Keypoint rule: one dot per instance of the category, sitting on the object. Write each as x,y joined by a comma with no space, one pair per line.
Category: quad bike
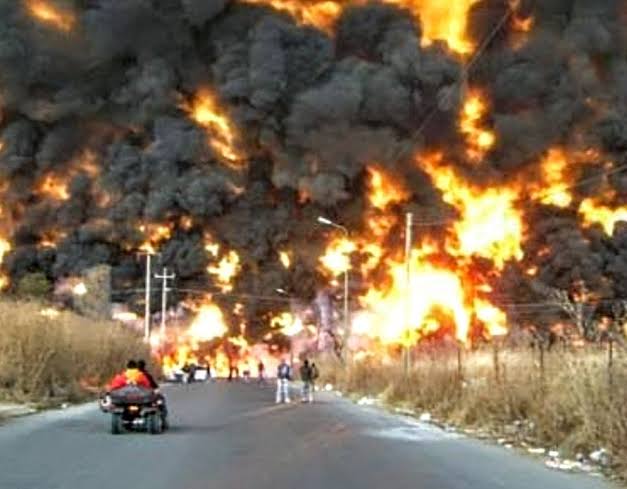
135,408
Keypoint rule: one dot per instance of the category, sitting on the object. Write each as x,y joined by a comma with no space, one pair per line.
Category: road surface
231,436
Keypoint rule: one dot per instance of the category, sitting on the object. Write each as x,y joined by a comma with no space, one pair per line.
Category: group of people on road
308,375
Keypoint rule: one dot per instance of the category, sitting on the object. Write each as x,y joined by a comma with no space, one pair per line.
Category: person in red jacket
131,376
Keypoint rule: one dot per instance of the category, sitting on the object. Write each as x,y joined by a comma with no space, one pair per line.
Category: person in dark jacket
306,376
141,365
283,377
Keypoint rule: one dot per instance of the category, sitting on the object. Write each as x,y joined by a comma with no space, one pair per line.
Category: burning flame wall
244,121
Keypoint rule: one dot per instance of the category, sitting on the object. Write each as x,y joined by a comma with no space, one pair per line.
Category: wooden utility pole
147,297
164,277
409,220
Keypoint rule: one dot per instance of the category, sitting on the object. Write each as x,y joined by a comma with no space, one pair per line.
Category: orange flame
554,189
322,14
208,323
5,247
223,136
287,323
384,191
79,289
285,259
336,260
226,270
156,235
594,212
50,15
523,24
54,187
493,318
490,225
391,318
49,239
439,21
444,21
478,140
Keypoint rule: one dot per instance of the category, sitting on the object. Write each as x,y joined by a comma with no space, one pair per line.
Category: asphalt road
233,436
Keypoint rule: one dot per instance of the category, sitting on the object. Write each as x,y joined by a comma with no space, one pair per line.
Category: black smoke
313,110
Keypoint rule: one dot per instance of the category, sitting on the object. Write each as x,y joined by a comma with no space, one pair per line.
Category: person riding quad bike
141,365
133,376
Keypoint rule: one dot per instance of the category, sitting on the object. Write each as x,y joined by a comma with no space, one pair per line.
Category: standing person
261,368
307,378
192,373
283,377
315,373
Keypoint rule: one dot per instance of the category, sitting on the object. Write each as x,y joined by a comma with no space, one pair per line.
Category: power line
466,69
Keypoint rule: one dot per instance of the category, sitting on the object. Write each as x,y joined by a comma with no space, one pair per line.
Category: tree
33,285
575,304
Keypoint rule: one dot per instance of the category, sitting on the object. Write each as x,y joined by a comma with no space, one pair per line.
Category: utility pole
408,242
164,296
147,300
347,320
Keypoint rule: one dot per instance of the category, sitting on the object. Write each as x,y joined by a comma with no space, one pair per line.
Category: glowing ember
226,270
125,316
523,24
186,223
384,191
50,313
213,249
554,189
49,239
156,234
46,13
5,247
478,140
79,289
285,259
595,213
54,187
224,139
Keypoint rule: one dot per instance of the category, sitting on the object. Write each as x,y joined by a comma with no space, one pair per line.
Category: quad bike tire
155,426
116,424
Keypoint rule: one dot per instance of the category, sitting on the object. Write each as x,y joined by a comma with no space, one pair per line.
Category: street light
347,328
281,291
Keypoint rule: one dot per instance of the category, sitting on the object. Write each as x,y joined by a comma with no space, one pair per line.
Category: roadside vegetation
49,357
574,401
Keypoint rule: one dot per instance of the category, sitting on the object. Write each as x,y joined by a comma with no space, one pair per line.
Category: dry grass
65,358
572,403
